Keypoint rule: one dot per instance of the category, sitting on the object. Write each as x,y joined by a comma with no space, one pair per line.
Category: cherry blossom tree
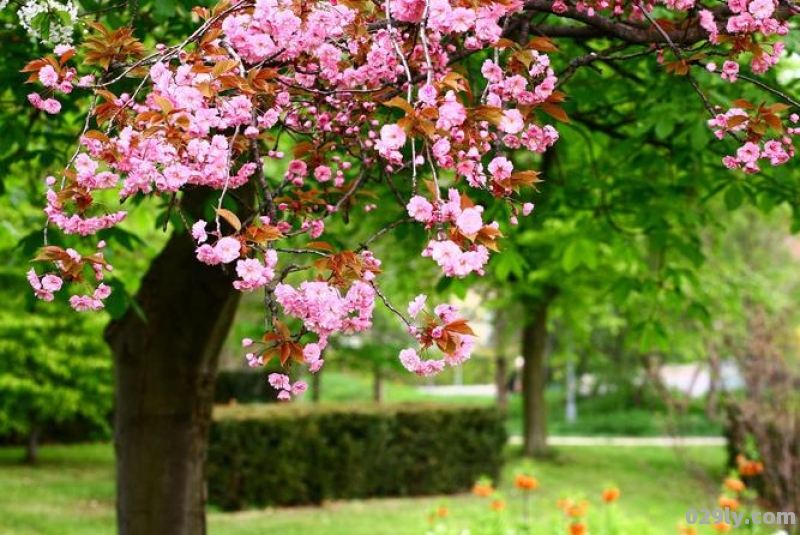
274,120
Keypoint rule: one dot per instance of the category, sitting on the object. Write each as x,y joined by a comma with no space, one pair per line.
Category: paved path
659,442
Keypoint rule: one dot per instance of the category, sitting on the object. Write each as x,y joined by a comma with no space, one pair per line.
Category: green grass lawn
72,492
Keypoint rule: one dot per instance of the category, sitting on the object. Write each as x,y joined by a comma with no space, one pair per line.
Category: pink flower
52,283
427,94
317,228
322,173
48,76
279,381
527,208
492,72
420,209
298,388
392,136
298,167
199,231
451,113
512,122
501,168
761,9
102,292
417,305
247,342
60,50
748,153
470,222
730,69
227,249
207,255
51,106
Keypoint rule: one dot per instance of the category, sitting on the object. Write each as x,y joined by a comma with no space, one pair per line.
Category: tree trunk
377,384
316,386
165,368
32,445
500,362
501,381
534,409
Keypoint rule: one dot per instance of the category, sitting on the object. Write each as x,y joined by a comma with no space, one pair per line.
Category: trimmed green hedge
291,454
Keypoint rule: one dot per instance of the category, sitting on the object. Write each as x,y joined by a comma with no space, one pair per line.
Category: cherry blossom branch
707,103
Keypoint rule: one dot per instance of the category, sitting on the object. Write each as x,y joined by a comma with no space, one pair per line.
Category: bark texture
165,367
534,345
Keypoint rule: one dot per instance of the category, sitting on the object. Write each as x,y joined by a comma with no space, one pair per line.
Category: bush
243,386
305,454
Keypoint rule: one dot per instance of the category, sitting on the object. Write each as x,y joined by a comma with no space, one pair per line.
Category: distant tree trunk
32,445
377,384
501,364
534,344
165,367
714,379
316,386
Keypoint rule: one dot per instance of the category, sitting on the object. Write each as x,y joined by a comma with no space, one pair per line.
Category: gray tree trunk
32,445
165,368
534,409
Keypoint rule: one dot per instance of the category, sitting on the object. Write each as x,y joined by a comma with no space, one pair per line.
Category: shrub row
305,454
243,386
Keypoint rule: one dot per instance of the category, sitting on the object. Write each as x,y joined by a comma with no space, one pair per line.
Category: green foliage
300,454
55,370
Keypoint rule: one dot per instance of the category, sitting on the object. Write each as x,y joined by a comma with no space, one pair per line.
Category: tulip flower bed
600,516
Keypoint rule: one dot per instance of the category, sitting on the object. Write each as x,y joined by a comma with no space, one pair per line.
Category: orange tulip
748,467
524,482
687,530
564,504
442,512
579,509
727,501
736,485
610,495
498,505
484,491
578,528
722,527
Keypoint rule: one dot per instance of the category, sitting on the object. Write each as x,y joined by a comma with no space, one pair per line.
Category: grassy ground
72,493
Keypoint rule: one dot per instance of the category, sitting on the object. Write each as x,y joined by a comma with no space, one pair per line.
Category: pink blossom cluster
436,327
286,389
254,274
94,301
776,151
61,80
455,260
324,310
44,287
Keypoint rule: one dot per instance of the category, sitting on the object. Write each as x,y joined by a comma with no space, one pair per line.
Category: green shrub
304,454
243,386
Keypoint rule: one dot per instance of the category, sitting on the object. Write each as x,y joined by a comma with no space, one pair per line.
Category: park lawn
72,493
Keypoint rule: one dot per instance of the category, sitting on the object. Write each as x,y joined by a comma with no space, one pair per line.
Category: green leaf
734,196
